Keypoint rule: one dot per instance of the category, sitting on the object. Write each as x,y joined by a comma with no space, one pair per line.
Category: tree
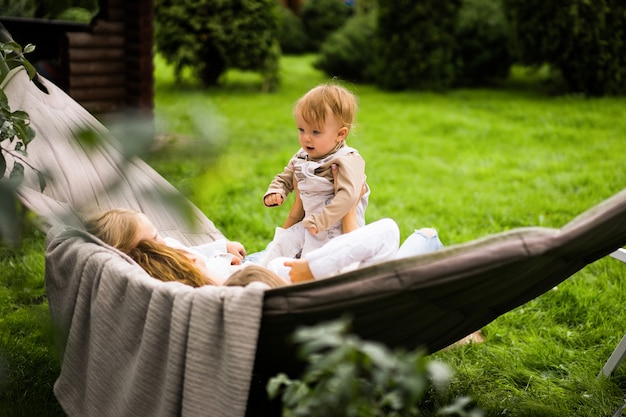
210,36
585,40
415,44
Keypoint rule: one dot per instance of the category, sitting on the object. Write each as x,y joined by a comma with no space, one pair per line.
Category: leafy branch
350,377
15,135
15,129
14,126
12,56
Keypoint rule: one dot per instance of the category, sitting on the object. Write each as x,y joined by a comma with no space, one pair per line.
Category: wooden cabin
105,65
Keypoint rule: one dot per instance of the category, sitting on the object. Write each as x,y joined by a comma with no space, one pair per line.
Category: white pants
373,243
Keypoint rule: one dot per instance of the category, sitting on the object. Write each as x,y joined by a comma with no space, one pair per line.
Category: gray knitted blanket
135,346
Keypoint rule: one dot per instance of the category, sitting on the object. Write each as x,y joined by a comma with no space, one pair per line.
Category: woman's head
122,228
168,264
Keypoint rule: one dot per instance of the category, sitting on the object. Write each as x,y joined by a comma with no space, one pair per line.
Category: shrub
19,8
585,40
415,44
366,6
482,43
347,376
76,14
52,9
210,36
320,18
291,35
347,53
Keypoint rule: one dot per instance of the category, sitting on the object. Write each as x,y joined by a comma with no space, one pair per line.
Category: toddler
324,116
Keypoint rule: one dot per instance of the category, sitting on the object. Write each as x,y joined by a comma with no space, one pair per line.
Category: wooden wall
110,67
106,65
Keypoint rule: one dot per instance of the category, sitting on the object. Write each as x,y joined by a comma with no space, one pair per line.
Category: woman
170,264
167,259
132,233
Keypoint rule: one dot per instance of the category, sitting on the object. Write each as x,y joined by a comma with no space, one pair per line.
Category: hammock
428,301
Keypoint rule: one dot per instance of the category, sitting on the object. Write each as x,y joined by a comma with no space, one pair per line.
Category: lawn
470,162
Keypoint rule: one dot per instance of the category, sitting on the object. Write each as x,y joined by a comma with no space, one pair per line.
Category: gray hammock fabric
428,301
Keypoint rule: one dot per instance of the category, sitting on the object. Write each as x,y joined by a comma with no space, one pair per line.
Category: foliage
349,377
76,14
483,51
415,44
15,135
291,35
12,56
585,40
347,53
54,9
321,18
74,10
20,8
366,6
210,36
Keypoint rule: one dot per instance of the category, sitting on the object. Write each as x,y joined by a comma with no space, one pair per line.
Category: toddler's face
319,141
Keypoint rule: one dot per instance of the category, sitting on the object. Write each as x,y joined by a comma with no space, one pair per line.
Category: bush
19,8
585,40
347,53
482,43
366,6
210,36
76,14
52,9
320,18
415,44
347,376
291,34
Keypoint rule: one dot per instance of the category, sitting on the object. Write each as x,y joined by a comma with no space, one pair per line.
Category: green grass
28,360
469,162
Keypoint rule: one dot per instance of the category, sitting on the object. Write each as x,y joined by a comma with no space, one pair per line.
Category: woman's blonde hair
168,264
119,228
115,227
314,105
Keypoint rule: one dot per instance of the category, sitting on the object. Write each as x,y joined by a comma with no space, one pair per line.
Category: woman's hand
300,271
237,250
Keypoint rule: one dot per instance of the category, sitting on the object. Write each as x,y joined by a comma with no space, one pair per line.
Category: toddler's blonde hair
313,106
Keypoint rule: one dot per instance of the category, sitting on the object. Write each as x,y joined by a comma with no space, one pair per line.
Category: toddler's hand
312,230
273,200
